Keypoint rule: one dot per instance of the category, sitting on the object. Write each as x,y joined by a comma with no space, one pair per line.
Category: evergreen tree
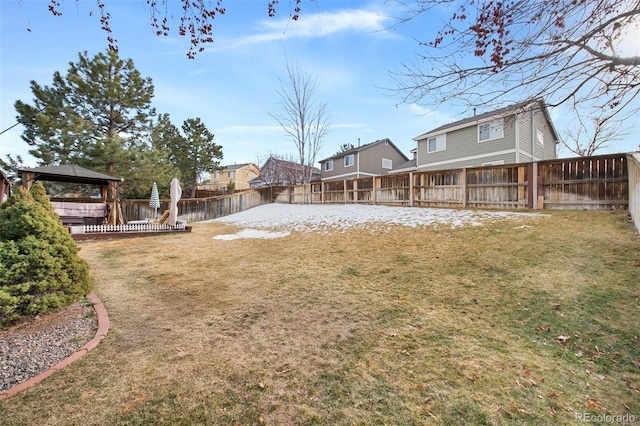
97,116
192,152
345,147
40,269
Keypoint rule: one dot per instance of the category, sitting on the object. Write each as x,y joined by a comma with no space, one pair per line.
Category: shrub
40,269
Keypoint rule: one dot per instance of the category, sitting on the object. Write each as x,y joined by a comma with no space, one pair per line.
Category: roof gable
363,148
289,165
238,166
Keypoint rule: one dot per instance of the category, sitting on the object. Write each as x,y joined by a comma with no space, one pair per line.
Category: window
387,164
348,160
491,130
328,166
229,174
216,175
540,136
437,143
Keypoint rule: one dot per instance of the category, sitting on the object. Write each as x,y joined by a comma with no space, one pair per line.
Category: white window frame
496,130
440,143
540,137
216,175
389,163
229,174
352,160
328,166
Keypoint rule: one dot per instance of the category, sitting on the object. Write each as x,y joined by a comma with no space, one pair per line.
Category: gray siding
339,169
371,159
464,150
367,162
527,137
506,158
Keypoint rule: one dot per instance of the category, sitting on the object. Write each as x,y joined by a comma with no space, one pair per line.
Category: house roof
70,173
406,166
289,164
237,166
475,119
362,148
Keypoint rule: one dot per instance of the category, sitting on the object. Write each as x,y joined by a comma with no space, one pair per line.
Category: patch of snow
252,233
341,217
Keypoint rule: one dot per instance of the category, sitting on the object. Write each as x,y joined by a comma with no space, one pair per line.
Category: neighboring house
503,136
5,187
277,172
240,174
373,159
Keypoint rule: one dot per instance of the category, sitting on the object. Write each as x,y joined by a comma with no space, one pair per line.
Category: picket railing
132,227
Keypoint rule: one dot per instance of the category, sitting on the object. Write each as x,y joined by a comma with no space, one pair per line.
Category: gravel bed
32,347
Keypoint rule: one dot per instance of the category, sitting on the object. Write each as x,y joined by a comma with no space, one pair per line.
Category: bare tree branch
302,120
565,52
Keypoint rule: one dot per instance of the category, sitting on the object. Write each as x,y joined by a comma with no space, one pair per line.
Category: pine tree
97,116
40,269
192,152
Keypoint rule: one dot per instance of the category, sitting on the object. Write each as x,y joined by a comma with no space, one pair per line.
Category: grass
408,327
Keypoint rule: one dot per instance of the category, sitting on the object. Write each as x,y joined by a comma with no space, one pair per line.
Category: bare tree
585,137
567,52
303,120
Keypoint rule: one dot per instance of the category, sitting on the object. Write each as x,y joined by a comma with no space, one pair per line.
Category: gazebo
84,212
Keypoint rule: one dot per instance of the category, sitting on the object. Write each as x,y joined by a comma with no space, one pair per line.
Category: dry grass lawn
413,326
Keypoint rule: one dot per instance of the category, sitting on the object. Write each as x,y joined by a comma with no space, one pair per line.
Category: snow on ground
252,233
262,221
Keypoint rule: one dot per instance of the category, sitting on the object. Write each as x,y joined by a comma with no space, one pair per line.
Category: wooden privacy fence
589,183
199,209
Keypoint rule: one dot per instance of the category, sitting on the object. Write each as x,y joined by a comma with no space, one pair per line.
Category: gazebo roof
70,173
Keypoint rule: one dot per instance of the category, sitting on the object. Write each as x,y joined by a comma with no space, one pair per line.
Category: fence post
410,189
521,180
344,190
373,189
355,191
533,186
463,182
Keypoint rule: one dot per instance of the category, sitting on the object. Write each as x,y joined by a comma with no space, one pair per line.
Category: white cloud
314,26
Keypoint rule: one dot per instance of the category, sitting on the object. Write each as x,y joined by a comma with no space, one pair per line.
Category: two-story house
518,133
278,172
239,174
373,159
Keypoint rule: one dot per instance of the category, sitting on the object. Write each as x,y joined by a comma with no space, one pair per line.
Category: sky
349,46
